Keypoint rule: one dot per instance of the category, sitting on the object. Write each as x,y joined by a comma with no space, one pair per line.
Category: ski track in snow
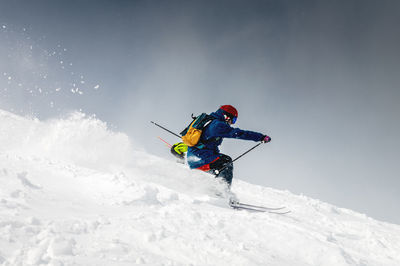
74,193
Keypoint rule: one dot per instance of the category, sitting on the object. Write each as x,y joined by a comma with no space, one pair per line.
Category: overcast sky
320,77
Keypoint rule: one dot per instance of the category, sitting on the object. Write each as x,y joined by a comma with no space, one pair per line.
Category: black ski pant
223,167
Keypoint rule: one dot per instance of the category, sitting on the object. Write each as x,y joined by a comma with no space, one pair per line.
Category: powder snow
73,192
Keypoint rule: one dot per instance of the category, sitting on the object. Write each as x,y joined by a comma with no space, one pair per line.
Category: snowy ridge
72,192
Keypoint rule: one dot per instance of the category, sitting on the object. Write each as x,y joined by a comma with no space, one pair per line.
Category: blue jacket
212,137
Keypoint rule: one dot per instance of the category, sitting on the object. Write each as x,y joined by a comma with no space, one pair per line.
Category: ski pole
166,143
249,150
217,172
166,129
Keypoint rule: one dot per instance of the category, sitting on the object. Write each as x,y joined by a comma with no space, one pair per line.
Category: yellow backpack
192,133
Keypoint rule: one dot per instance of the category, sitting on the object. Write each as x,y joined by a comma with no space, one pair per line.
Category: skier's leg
224,167
178,150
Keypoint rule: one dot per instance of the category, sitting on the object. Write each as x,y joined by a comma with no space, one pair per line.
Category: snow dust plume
78,139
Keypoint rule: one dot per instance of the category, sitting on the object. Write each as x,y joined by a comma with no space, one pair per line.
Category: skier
208,158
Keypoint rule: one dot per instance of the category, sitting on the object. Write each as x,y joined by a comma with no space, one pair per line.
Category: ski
259,210
255,208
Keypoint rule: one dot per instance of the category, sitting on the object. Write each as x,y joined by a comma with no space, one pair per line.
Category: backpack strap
207,121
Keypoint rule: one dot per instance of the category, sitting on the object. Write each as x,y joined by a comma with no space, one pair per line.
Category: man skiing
208,158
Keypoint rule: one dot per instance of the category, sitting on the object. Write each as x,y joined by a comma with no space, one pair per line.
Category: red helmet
230,111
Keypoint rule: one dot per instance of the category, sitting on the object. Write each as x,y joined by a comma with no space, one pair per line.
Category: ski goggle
229,117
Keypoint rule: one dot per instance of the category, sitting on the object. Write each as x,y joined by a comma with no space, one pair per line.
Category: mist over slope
72,192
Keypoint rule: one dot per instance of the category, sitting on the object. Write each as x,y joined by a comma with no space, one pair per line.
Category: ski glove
265,139
179,150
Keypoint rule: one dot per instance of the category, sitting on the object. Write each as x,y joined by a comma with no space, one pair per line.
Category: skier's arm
226,131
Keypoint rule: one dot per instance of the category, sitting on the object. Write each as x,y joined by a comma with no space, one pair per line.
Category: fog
321,78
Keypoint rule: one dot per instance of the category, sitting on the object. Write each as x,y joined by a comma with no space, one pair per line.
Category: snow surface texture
74,193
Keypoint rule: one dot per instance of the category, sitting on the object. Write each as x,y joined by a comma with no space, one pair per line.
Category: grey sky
320,77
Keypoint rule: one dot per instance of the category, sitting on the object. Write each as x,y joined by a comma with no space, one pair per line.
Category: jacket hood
219,114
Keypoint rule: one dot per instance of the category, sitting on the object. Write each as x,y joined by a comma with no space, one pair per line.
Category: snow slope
74,193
